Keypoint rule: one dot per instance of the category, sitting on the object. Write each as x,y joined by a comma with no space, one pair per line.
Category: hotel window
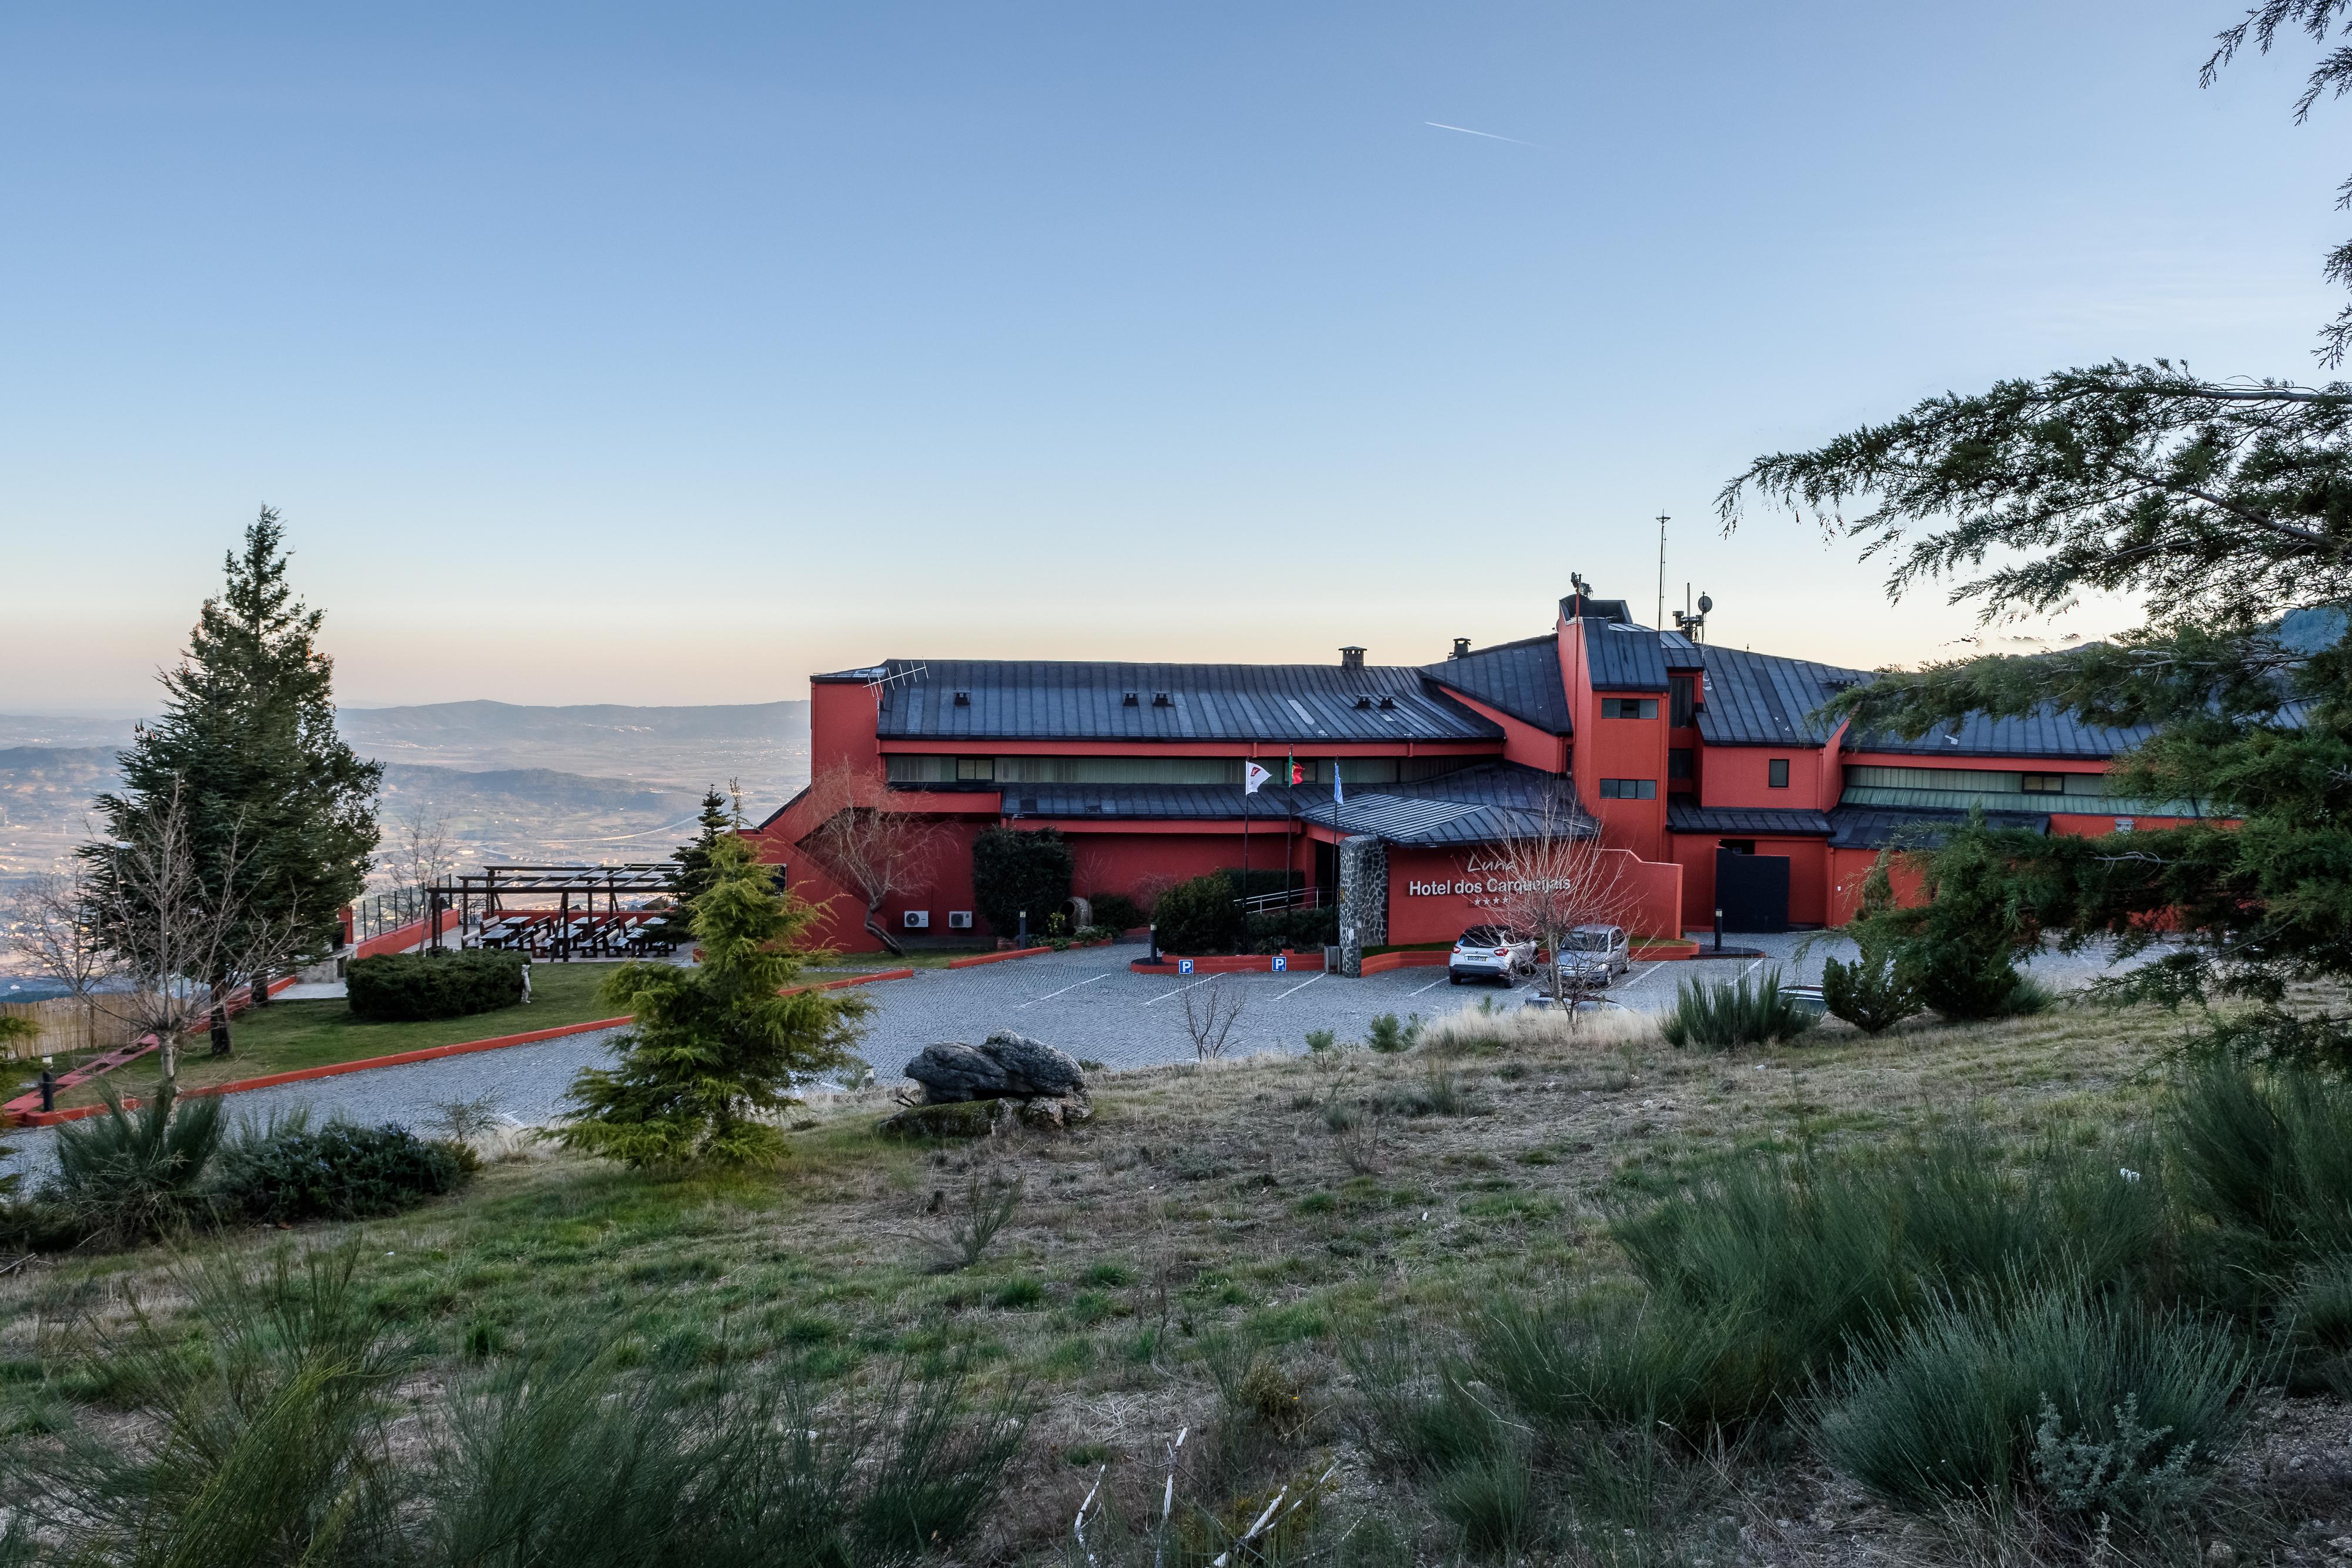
1776,773
1629,788
975,769
1678,762
1629,707
2042,783
1681,718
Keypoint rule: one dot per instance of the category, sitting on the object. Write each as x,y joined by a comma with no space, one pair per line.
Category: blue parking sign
1281,963
1183,965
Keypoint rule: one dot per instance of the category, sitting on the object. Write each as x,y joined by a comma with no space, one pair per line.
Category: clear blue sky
666,353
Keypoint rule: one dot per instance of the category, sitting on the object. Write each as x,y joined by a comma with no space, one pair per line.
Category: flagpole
1247,763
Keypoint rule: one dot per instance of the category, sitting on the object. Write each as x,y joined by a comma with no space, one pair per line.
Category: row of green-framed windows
1629,788
1629,707
911,768
1977,780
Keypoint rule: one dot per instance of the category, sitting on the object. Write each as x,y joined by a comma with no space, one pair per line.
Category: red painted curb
1233,963
1381,963
335,1069
979,958
402,1058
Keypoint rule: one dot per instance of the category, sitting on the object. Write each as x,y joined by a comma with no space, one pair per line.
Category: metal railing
1289,898
375,913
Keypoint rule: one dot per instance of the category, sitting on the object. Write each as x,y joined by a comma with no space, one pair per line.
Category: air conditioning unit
959,919
918,919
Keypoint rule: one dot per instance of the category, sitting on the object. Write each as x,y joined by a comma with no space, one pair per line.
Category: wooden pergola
578,891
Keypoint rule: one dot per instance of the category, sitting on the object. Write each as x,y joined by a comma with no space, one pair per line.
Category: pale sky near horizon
664,354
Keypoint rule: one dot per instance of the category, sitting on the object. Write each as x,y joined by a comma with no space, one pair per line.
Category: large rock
1031,1067
1004,1066
951,1070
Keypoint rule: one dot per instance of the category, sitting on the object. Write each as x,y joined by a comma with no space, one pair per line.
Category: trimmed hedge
1198,916
403,987
336,1172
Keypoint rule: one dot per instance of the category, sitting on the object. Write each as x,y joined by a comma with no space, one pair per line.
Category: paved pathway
1085,1001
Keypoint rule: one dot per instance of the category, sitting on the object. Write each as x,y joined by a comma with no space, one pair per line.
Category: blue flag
1338,796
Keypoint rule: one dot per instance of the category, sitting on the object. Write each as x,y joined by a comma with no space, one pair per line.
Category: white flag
1339,795
1251,776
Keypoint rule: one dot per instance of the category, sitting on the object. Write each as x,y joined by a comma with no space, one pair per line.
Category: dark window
983,768
1776,773
1629,707
1629,788
1678,762
1739,846
1681,716
2044,783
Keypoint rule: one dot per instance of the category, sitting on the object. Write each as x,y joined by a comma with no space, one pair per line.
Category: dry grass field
1213,1251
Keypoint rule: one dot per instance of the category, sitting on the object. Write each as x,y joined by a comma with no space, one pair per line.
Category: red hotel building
1706,766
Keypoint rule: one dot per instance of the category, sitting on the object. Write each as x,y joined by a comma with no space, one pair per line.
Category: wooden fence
68,1028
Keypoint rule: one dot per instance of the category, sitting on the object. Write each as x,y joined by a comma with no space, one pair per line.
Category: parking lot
1085,1001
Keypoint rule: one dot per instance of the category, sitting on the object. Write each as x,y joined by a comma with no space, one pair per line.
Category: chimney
1351,658
1460,648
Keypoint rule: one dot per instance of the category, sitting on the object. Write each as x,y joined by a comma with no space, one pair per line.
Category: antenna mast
1661,618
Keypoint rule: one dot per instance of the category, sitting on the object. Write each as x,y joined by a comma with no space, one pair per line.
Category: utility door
1752,891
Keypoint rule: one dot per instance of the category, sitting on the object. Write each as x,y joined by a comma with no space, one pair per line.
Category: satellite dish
1705,603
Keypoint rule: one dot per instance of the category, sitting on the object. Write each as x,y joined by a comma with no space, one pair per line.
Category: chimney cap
1460,648
1351,657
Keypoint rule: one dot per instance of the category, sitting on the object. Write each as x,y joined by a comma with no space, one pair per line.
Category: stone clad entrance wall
1363,900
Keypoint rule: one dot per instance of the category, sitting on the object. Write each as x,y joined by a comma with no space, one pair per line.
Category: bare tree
877,854
1210,1013
418,851
169,929
52,927
1552,874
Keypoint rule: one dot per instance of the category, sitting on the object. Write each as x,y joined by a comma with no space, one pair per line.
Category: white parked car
1595,956
1491,953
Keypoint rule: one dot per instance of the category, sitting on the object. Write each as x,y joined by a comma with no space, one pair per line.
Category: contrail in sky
1487,134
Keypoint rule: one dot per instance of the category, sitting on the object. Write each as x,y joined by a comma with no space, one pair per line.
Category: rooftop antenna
1659,619
1693,626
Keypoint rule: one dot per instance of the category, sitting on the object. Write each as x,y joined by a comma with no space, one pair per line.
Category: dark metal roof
1521,678
1763,699
1622,657
2047,732
1689,817
1875,827
1294,704
1420,823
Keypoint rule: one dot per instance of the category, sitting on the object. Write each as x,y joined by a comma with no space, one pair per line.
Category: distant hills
513,783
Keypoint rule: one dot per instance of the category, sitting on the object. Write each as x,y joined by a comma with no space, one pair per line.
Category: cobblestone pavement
1085,1001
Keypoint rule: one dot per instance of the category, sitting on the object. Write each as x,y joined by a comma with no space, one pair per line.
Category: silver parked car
1491,953
1595,956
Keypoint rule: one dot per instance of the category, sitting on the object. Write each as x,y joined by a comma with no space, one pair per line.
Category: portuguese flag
1298,774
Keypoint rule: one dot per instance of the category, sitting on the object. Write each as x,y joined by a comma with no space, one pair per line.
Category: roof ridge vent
963,699
1161,699
1129,699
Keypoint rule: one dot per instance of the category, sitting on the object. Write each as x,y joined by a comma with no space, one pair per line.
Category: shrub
1872,993
127,1175
1013,870
2100,1403
1116,911
1390,1036
287,1172
1718,1015
400,988
1275,929
1198,916
2265,1154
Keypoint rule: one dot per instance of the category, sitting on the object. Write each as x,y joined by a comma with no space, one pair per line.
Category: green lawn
285,1036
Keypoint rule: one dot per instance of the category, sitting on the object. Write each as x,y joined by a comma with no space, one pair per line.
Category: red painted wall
1522,743
1657,891
1615,749
1737,775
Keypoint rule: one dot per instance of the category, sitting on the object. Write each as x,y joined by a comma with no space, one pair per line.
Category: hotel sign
1483,879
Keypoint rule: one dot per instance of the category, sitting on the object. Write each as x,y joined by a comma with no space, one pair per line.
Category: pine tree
715,1050
248,736
695,870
